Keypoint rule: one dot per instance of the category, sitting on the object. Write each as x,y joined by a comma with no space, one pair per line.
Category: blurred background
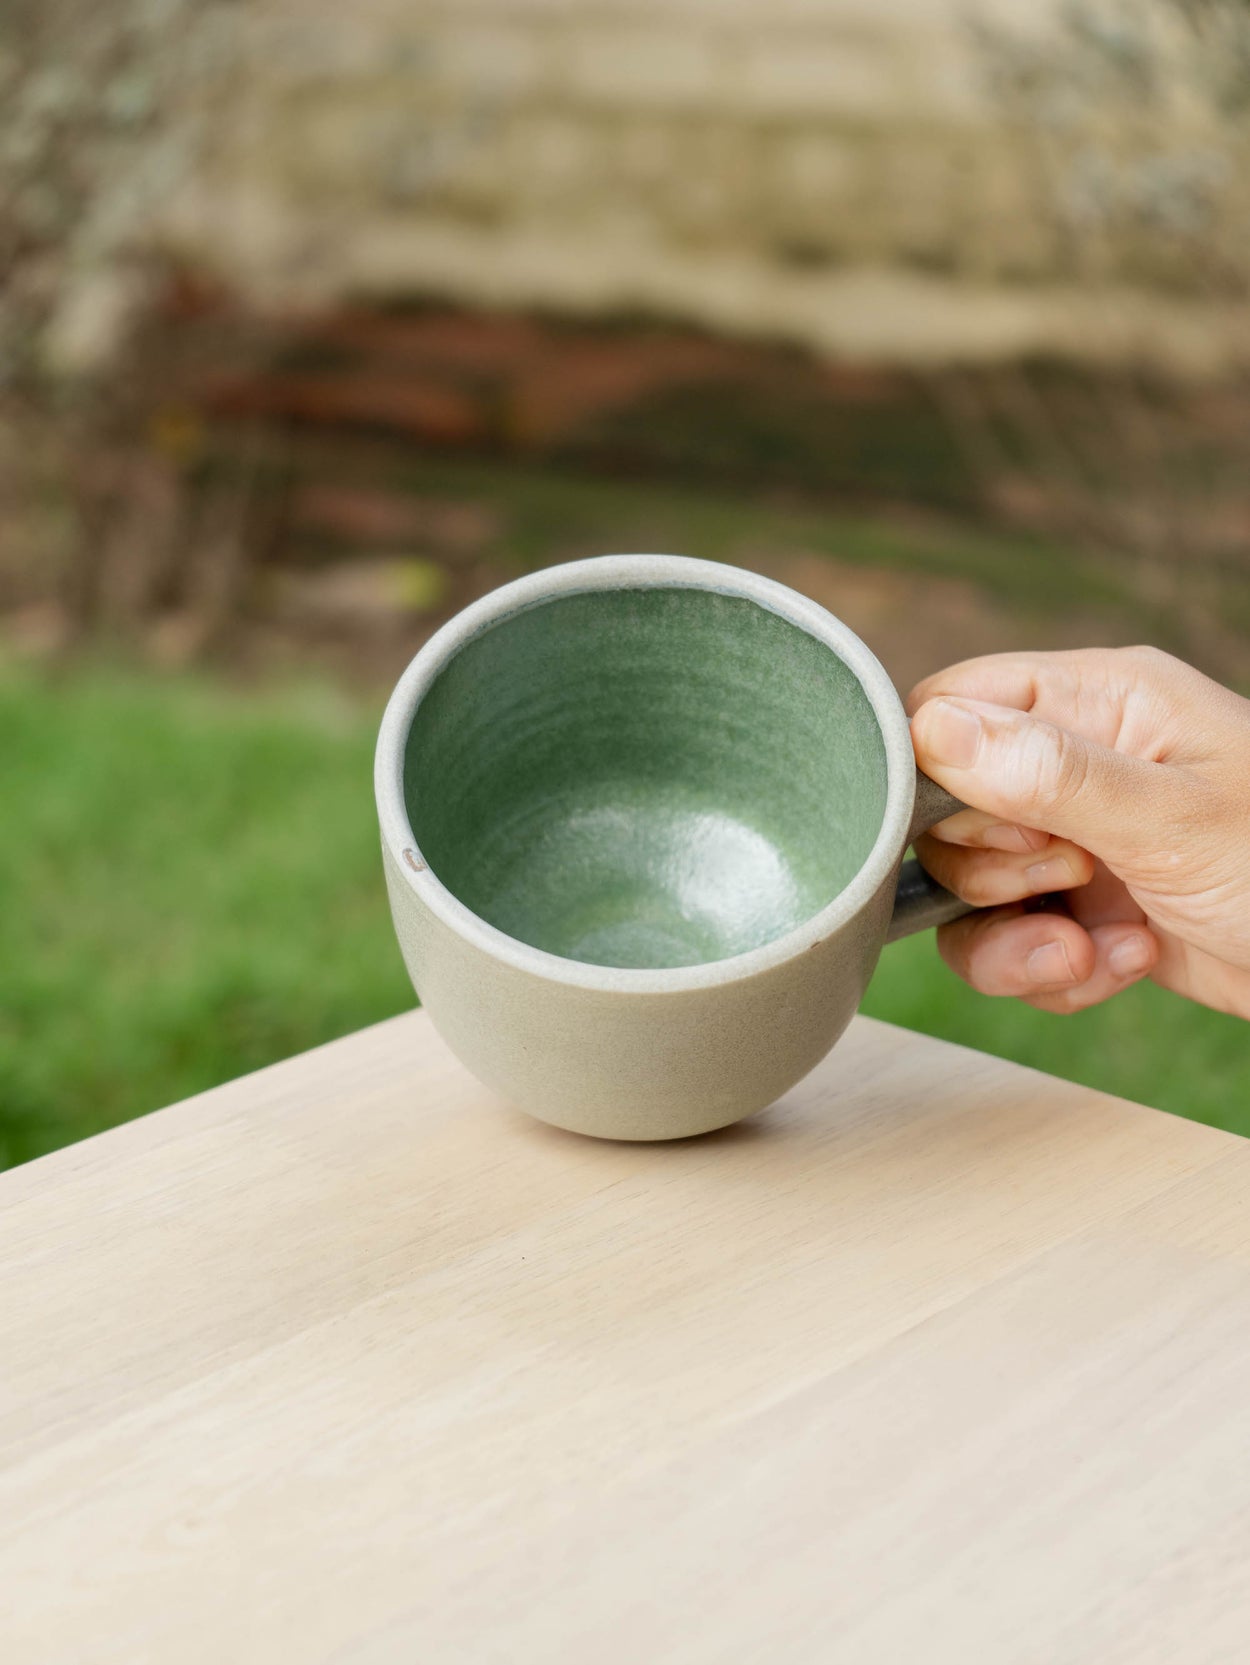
317,322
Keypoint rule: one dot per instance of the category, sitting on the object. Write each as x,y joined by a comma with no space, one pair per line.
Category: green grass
190,888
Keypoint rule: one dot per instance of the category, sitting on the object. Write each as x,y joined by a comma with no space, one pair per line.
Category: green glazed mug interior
645,777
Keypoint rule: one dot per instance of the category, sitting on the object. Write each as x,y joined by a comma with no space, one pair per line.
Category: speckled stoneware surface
642,819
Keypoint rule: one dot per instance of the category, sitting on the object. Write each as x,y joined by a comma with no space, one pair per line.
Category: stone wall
835,172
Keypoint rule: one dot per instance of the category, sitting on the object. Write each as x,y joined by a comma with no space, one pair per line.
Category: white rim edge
611,572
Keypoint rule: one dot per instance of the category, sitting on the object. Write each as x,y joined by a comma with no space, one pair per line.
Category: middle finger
990,878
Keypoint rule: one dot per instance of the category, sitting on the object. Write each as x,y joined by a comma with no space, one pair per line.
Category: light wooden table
939,1360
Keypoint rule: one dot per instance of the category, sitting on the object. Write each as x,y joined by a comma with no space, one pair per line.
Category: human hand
1119,777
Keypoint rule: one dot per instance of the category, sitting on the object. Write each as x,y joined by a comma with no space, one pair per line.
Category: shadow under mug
643,824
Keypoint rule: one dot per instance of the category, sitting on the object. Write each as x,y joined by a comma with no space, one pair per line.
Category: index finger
1089,690
1012,679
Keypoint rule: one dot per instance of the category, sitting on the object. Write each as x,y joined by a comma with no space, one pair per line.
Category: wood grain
938,1360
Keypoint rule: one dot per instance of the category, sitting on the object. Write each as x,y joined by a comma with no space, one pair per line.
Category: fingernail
1052,874
952,734
1130,957
1050,964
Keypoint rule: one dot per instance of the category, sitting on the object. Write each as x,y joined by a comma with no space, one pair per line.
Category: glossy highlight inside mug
642,823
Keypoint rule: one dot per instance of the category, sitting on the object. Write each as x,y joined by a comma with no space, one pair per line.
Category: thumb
1015,766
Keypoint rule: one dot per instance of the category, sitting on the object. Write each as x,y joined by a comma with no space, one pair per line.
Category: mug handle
919,900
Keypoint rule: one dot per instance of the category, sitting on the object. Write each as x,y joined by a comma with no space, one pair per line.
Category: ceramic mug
642,821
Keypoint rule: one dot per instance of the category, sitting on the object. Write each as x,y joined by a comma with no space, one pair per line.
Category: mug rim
632,572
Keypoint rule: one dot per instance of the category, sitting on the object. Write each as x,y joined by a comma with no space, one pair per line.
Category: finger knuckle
981,884
954,945
972,948
1081,863
1145,655
1151,667
1053,765
981,973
